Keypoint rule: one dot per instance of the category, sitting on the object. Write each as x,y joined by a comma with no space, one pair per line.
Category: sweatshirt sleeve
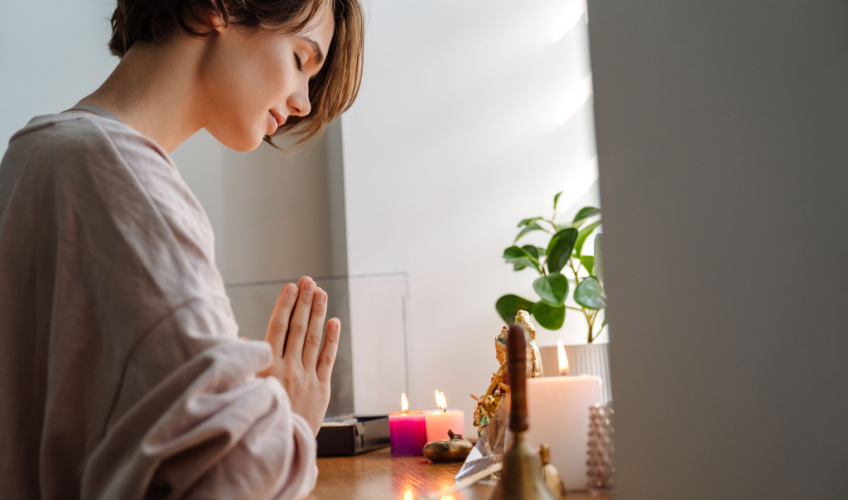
191,420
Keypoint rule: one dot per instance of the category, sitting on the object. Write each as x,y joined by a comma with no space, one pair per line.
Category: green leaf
583,214
552,288
516,255
525,222
599,268
556,200
548,316
509,305
559,249
527,229
589,263
581,237
590,294
532,250
518,267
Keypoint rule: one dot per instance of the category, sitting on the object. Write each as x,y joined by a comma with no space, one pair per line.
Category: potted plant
559,265
562,269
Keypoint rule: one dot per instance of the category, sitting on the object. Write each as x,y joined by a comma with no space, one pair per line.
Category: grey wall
721,130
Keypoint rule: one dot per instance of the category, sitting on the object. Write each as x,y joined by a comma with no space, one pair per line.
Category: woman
121,372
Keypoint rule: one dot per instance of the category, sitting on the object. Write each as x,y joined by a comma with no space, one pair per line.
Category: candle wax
407,433
439,422
558,413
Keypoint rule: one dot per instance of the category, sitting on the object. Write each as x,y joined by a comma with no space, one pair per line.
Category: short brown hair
331,92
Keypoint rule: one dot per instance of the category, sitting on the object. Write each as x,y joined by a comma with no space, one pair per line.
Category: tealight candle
442,420
558,411
407,431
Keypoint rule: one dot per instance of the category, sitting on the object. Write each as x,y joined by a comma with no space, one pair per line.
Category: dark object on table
353,436
453,450
522,473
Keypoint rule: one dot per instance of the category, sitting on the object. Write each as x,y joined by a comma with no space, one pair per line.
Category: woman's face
252,81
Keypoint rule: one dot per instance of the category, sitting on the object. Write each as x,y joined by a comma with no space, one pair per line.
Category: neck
156,90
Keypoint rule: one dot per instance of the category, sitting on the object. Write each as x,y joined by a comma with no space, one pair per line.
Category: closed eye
298,62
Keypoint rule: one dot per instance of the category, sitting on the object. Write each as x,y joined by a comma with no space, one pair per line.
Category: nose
298,102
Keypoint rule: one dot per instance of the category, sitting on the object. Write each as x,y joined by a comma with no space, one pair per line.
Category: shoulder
89,156
83,140
116,180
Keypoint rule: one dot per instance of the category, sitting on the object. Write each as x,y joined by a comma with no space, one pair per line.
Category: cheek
241,85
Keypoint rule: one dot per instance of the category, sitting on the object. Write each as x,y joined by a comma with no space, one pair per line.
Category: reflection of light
579,184
407,495
574,100
447,497
441,402
563,24
563,359
404,403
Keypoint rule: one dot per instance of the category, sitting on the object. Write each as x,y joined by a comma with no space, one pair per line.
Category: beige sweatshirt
121,372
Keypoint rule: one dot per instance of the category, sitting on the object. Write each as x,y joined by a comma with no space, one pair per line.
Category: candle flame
407,495
404,403
563,359
441,402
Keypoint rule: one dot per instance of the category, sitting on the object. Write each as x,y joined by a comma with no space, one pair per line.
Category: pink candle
407,431
442,420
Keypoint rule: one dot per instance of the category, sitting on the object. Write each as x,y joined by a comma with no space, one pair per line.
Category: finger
279,322
315,331
328,352
299,320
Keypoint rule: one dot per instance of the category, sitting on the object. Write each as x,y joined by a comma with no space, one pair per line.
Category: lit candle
407,431
558,409
442,420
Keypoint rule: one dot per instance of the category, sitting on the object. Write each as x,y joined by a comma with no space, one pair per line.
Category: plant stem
575,308
598,334
571,265
594,316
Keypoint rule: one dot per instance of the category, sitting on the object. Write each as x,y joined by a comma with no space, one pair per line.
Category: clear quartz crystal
490,447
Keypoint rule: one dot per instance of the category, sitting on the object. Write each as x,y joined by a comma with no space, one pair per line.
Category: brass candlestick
521,478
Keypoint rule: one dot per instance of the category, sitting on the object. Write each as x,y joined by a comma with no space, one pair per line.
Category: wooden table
377,475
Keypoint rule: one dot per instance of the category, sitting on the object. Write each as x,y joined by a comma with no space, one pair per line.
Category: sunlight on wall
465,124
572,14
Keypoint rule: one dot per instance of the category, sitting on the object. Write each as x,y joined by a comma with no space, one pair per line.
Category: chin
246,146
241,142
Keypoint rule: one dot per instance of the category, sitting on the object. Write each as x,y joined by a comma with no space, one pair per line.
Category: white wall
471,116
52,53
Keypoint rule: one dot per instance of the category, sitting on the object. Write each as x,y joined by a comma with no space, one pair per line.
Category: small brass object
521,478
453,450
550,473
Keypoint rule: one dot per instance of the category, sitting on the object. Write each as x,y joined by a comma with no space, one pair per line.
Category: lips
278,118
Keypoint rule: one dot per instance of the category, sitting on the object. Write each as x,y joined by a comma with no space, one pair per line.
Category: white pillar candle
558,413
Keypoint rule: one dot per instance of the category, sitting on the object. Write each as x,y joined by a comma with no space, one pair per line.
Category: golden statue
488,403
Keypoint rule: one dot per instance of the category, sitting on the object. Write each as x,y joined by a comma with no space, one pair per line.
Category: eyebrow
319,56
